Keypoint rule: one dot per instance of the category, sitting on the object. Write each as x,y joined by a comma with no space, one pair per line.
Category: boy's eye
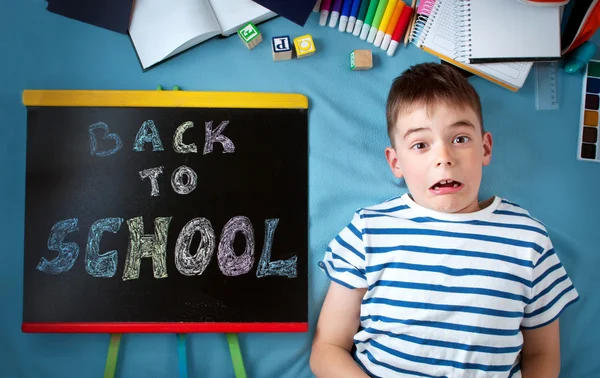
461,139
418,146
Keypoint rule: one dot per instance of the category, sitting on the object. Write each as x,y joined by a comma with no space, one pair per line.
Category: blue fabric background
534,164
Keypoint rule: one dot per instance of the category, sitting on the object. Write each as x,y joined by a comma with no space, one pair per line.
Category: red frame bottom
162,327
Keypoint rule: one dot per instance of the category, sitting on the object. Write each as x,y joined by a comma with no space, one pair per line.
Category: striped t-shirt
447,293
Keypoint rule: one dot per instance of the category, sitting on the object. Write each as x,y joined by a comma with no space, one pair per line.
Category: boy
435,283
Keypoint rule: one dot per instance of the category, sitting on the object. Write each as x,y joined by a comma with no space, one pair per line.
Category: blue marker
345,14
353,15
580,57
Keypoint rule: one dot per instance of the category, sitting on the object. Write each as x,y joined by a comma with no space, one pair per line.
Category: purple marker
335,13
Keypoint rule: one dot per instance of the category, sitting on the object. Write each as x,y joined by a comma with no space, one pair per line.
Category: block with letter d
250,35
304,46
282,48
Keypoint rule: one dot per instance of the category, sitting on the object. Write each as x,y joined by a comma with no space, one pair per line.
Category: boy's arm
338,323
541,352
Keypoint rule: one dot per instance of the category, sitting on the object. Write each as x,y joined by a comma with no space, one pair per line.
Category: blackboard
123,190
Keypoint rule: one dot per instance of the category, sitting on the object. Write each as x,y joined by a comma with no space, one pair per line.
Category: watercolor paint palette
589,146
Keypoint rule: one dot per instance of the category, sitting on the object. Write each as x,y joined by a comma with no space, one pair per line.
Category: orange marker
392,25
400,29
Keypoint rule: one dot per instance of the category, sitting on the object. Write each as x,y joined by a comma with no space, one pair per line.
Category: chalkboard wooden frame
74,101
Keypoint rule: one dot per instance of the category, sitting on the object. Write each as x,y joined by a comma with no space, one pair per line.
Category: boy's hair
429,84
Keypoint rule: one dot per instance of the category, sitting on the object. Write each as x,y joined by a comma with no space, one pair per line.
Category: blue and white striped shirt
448,294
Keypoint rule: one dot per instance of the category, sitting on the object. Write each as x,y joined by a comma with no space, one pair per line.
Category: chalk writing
194,265
148,133
230,263
147,245
104,265
107,136
287,268
212,136
67,252
152,173
181,186
178,144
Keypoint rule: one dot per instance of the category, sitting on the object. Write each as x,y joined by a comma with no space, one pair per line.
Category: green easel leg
236,355
113,354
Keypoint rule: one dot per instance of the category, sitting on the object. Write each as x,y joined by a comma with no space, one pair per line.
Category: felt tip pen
364,32
400,29
335,13
346,8
325,8
362,13
353,15
377,20
317,6
392,25
385,21
580,57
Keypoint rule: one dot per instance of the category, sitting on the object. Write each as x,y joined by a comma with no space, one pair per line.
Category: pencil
411,25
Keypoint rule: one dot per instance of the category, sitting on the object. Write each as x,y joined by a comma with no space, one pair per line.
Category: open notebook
437,34
506,30
161,29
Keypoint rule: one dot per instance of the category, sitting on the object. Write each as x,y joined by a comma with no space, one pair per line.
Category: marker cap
392,49
343,23
372,34
364,32
379,38
386,41
334,19
323,19
351,23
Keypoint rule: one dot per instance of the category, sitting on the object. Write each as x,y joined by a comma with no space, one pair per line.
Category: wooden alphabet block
361,60
282,48
304,46
250,35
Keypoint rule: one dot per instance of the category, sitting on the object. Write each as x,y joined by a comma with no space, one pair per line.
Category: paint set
589,146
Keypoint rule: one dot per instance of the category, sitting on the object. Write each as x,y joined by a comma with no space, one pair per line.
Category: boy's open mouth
448,183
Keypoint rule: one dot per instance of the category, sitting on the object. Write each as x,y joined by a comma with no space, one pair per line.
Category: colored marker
325,7
385,21
578,59
392,25
346,9
399,30
317,6
362,13
335,13
364,32
353,15
377,20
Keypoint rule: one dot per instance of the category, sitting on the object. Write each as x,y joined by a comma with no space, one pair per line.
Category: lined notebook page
511,29
440,39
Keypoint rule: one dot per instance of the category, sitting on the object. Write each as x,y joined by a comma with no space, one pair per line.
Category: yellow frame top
165,99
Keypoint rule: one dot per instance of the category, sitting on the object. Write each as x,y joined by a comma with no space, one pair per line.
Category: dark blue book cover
113,15
296,11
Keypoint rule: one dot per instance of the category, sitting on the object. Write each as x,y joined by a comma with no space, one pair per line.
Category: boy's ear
487,148
392,159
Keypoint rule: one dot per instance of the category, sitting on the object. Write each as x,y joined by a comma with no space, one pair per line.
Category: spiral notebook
506,30
439,34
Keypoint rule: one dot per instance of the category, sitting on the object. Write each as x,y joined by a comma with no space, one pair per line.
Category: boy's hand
338,323
541,352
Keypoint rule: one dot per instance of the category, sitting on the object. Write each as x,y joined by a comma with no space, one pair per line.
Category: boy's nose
444,158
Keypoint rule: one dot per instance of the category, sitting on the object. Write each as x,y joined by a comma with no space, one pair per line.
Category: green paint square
248,32
594,68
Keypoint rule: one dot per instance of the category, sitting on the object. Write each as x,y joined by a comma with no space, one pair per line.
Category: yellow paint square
304,45
590,118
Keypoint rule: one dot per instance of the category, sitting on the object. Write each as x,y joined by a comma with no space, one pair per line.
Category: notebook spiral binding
462,32
421,28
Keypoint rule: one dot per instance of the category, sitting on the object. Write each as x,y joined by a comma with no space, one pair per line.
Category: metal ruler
546,85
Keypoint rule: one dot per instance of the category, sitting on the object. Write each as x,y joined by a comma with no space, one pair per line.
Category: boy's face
441,155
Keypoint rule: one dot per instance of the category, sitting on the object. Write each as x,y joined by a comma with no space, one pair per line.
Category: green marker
362,13
377,20
368,19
